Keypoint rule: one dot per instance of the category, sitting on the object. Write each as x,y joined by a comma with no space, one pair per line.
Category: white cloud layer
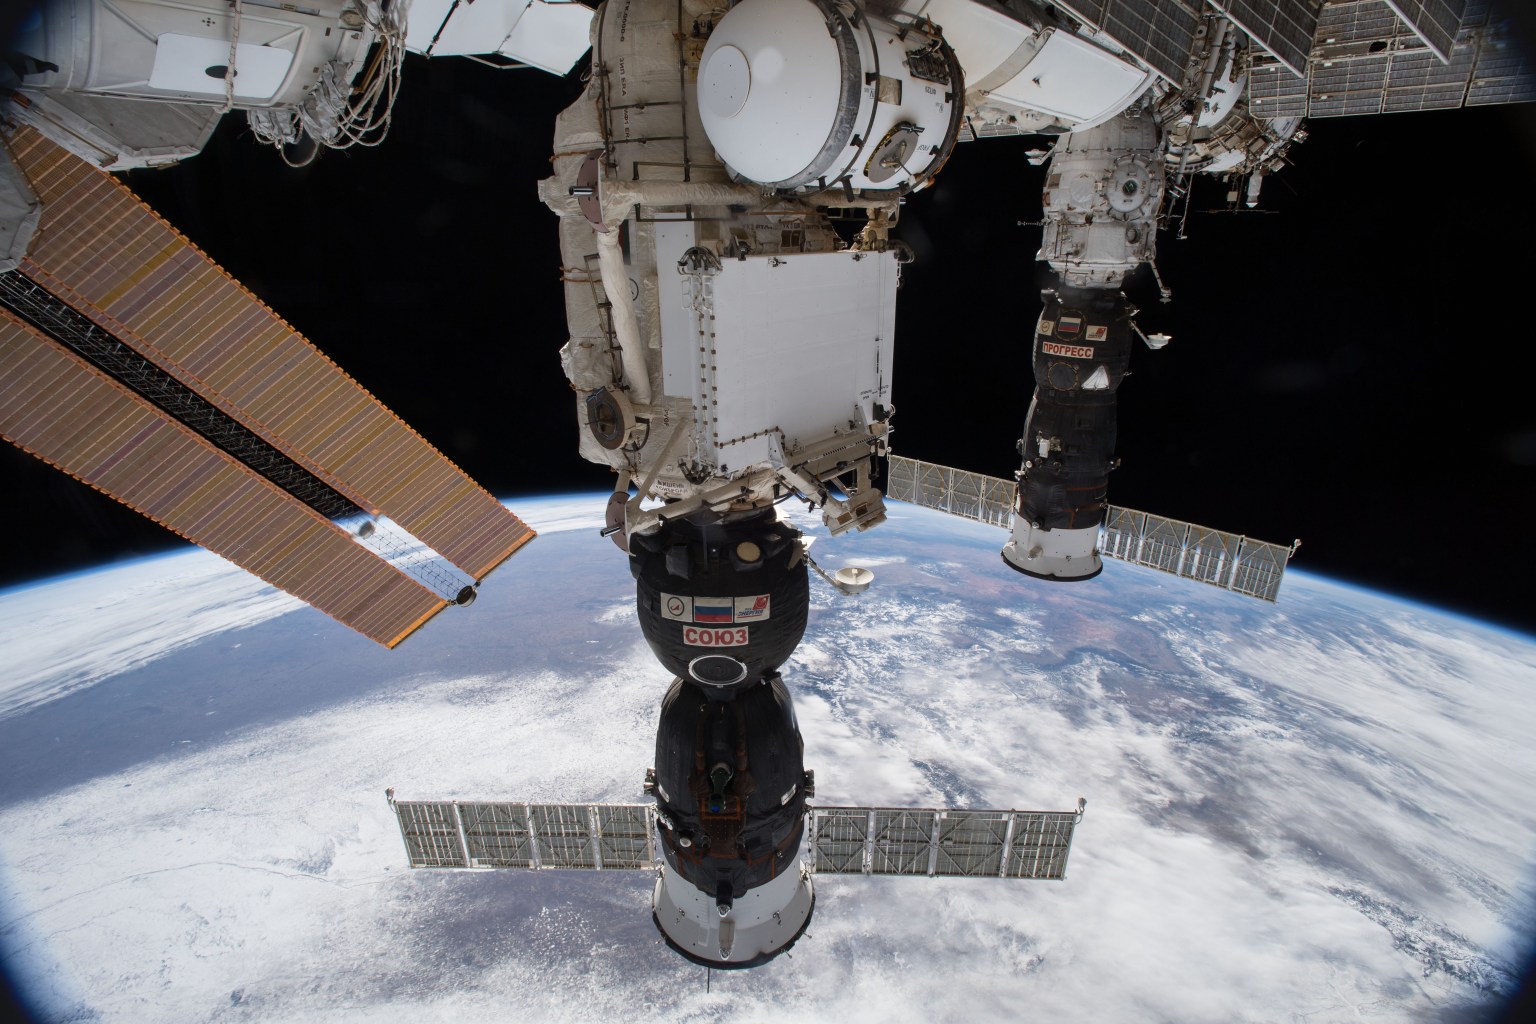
1318,811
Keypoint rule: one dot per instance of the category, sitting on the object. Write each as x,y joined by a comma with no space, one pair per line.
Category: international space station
729,187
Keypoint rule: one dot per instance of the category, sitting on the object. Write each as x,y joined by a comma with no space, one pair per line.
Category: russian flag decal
713,609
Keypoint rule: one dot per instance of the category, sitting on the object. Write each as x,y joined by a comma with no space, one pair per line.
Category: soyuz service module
729,185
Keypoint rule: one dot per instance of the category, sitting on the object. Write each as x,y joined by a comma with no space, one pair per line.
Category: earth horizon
1315,810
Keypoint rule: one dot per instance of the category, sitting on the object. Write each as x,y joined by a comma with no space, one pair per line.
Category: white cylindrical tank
796,94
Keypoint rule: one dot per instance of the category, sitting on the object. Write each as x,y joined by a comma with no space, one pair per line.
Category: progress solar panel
1225,560
941,843
986,499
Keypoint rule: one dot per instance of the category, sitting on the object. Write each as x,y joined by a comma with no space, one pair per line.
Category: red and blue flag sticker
715,610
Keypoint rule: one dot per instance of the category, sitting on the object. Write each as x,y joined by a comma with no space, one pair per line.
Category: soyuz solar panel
451,834
941,843
431,833
496,836
842,840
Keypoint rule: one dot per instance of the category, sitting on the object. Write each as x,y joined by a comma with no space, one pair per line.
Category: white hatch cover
726,82
196,65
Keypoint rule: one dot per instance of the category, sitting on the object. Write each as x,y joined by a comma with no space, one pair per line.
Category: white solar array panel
1434,21
1283,27
1160,32
1359,21
597,837
1505,70
964,844
1369,59
1274,92
1225,560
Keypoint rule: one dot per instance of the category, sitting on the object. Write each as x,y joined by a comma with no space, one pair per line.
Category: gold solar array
107,254
61,409
110,258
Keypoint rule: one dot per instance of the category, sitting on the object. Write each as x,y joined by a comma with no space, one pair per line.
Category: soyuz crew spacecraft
729,187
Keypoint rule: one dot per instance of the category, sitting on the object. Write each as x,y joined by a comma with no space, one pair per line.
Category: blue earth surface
1310,811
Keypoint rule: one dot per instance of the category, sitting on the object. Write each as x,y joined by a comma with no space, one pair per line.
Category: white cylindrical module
753,929
795,94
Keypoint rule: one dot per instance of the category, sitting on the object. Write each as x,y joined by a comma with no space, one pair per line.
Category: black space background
1350,366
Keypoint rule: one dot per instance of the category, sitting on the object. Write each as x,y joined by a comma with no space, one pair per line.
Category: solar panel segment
1434,21
218,420
941,843
108,255
60,408
1226,560
914,841
1283,27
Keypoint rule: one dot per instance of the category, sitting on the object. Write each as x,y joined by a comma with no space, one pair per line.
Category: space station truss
139,366
1227,560
842,840
941,843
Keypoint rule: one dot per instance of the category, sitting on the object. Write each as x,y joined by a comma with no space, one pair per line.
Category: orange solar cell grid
103,251
58,407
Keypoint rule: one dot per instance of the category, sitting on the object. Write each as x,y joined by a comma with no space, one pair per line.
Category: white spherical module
772,83
797,94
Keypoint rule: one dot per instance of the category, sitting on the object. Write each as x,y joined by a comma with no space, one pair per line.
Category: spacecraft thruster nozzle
1082,349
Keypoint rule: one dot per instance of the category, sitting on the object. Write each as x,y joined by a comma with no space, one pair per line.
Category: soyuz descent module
729,188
